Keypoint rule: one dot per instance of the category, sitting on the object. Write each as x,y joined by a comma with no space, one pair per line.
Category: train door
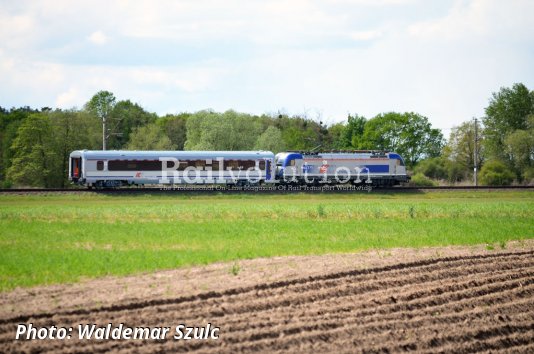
76,167
267,170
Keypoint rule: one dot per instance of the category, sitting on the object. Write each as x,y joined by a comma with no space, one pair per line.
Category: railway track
262,189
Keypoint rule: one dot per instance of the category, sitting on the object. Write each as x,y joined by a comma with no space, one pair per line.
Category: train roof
111,154
355,154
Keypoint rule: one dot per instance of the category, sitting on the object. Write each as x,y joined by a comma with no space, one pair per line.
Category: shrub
320,211
456,172
496,173
235,269
420,180
528,176
433,168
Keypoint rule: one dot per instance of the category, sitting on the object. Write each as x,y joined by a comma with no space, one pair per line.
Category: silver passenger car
115,168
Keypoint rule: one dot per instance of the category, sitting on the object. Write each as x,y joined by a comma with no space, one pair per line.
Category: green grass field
46,239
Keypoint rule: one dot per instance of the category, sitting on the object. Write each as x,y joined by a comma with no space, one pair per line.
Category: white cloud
15,31
480,18
98,38
442,59
366,35
69,98
371,2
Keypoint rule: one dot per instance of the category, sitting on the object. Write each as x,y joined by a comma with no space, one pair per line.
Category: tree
33,159
496,173
384,132
336,133
175,128
10,122
207,130
73,130
353,136
409,134
270,140
519,147
460,152
101,105
300,133
508,110
124,118
149,137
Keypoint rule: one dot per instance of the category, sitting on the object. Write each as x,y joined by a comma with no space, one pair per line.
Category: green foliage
72,130
434,167
383,132
60,131
409,134
9,124
352,136
236,268
121,117
302,133
496,173
124,119
336,133
149,137
528,176
230,130
101,104
174,127
460,152
519,147
455,172
411,211
270,140
320,211
507,111
34,160
420,180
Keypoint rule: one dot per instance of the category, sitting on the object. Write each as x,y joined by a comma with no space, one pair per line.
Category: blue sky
324,59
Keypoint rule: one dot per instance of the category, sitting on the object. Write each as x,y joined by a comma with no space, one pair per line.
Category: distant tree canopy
505,141
270,140
35,143
508,110
149,137
409,134
509,129
33,159
459,153
207,130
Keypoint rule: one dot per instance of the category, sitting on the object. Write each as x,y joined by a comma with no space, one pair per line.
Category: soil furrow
275,285
480,302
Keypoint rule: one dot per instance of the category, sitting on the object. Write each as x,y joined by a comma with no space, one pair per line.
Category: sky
323,59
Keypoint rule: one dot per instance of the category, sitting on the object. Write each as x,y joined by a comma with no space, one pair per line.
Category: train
119,168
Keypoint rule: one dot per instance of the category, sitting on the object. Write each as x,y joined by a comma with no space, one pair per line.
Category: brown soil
454,299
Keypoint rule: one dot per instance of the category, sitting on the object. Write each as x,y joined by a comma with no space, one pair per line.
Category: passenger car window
100,165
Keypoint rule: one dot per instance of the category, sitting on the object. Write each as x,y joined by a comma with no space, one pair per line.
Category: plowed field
474,302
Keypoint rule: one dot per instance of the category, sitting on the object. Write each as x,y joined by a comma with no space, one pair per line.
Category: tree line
35,143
